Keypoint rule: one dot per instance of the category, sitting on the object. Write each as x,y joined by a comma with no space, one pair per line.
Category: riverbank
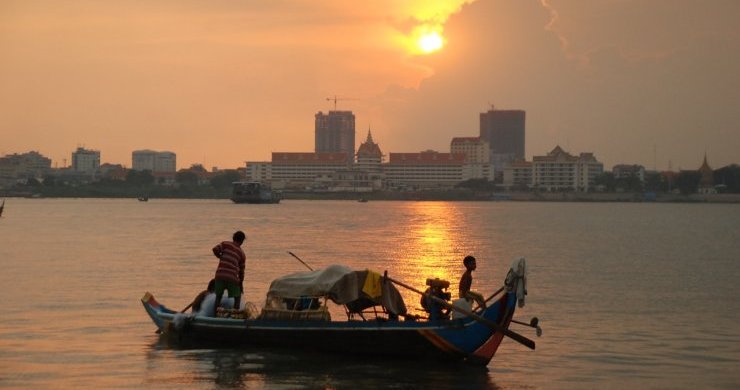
626,197
516,196
451,195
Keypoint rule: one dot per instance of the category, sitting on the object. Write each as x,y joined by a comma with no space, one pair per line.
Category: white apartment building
428,169
259,171
153,161
475,149
518,174
559,170
477,157
301,169
85,161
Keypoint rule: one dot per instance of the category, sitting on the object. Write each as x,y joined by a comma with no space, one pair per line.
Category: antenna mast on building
655,158
335,98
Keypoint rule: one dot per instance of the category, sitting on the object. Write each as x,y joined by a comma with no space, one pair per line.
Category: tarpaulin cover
343,286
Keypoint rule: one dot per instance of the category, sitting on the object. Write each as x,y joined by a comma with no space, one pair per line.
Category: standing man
230,271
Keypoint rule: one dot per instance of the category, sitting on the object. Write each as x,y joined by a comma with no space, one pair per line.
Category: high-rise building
85,160
153,161
504,131
335,132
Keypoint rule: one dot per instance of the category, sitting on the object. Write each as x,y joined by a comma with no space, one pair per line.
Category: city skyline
223,83
130,164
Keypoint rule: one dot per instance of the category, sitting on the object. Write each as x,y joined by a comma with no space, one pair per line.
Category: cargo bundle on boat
295,315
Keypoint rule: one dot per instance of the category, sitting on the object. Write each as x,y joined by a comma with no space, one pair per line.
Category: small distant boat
143,199
253,192
362,200
2,206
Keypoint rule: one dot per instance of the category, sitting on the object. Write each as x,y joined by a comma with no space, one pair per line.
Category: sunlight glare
430,42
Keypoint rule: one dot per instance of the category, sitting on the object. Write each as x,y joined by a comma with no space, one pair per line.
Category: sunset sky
224,82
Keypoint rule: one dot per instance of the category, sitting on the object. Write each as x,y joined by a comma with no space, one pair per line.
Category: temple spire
705,164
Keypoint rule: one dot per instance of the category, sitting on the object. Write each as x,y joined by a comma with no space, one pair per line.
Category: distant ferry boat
253,192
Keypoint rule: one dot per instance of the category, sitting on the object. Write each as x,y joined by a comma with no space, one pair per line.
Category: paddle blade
519,338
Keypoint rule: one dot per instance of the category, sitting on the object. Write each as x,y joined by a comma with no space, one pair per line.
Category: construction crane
335,98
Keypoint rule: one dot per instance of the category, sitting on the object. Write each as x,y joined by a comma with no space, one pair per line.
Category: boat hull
462,340
253,200
254,193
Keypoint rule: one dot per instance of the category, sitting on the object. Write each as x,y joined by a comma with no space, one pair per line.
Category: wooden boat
307,324
253,192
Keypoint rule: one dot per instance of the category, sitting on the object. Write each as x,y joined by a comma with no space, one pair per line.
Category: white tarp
342,285
335,281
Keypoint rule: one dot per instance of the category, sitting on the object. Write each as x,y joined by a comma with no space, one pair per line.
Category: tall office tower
85,160
504,131
335,132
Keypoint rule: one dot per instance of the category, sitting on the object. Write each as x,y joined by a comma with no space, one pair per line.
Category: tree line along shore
451,195
683,188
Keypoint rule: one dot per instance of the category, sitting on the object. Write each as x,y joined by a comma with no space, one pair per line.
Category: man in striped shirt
230,271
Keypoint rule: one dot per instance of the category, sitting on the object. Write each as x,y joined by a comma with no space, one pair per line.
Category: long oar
489,298
513,335
299,259
533,323
495,293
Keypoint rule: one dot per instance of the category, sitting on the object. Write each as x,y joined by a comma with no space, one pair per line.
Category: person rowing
230,271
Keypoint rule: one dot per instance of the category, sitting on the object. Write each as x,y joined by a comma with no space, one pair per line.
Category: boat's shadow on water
262,367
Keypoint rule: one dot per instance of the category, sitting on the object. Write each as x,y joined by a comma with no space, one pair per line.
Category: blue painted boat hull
462,340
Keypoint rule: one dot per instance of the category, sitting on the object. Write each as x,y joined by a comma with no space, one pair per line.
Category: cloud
605,75
610,77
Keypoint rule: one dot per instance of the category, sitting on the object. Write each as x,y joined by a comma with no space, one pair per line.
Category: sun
430,42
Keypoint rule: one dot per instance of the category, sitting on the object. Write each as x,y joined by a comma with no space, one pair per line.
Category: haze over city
223,82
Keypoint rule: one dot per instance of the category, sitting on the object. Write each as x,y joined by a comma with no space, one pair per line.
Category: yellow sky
223,82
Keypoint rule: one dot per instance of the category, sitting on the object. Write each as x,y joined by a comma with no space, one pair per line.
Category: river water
629,295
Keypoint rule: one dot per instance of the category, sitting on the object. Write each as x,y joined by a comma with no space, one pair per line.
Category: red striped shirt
231,262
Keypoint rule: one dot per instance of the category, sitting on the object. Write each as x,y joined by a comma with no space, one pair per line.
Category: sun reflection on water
430,244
